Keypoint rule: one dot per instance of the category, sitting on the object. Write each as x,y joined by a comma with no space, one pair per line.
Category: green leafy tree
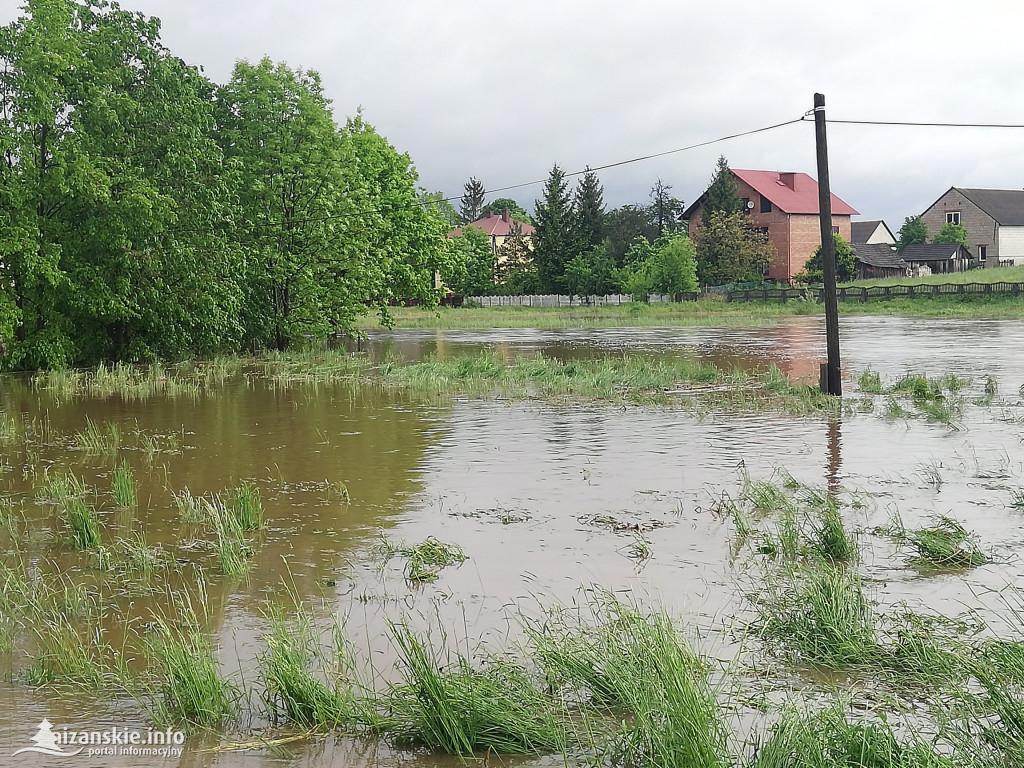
913,231
590,273
951,233
111,244
588,213
665,210
623,226
439,204
729,250
472,206
722,195
846,264
667,266
553,236
474,269
515,211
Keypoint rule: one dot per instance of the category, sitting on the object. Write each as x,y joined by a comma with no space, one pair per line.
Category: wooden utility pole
831,379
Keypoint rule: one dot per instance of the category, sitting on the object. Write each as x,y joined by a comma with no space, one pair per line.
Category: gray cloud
503,92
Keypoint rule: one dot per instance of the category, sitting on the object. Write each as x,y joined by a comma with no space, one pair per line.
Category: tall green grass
639,664
123,486
187,685
247,506
98,439
302,686
83,522
233,551
462,710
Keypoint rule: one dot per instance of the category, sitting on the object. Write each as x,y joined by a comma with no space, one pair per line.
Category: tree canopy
846,264
913,231
472,206
147,213
951,233
722,194
515,211
730,250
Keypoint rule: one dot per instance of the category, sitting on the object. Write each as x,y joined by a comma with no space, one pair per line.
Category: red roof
790,192
496,225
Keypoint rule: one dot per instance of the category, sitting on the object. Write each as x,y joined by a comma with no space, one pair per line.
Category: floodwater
533,493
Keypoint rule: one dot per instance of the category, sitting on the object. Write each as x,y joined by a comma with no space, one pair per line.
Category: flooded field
550,504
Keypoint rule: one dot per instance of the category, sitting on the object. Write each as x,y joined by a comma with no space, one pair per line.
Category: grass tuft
461,710
946,544
425,560
124,486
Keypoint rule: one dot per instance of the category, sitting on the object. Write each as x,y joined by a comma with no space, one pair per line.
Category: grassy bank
704,313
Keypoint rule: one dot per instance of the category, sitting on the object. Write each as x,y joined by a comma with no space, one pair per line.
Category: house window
982,252
835,230
746,205
766,205
952,217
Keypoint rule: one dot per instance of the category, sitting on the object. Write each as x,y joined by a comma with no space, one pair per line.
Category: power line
916,124
357,214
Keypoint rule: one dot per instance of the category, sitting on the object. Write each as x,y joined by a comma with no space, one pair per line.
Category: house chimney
504,215
789,179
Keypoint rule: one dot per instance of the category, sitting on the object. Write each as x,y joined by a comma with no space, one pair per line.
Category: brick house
993,218
785,205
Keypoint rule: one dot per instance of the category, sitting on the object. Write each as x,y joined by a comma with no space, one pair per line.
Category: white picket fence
556,300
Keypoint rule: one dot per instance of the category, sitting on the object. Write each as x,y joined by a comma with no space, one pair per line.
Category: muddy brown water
526,489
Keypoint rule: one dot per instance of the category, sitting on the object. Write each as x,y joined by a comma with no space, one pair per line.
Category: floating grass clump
425,560
638,664
462,710
133,557
123,485
294,692
946,544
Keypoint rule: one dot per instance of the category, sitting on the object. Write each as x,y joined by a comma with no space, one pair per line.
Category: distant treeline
147,212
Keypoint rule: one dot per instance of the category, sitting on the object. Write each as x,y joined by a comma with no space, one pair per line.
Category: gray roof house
878,260
993,218
871,232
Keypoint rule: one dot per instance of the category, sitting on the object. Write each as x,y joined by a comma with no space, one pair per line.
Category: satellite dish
750,204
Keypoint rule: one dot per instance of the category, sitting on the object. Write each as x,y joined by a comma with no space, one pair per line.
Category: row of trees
915,231
581,248
147,212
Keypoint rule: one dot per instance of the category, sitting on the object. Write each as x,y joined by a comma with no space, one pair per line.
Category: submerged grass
946,544
98,439
639,665
462,710
247,507
186,684
301,686
83,522
830,738
123,486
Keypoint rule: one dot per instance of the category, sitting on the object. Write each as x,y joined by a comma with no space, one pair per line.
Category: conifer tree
722,195
471,207
588,213
665,210
552,238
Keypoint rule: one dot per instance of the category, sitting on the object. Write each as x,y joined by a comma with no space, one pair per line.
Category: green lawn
994,275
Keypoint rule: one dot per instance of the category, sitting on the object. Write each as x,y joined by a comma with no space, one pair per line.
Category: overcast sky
504,91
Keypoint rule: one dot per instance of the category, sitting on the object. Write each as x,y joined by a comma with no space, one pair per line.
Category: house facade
785,206
871,233
993,218
498,228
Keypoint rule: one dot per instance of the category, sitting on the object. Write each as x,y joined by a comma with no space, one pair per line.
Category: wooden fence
880,292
